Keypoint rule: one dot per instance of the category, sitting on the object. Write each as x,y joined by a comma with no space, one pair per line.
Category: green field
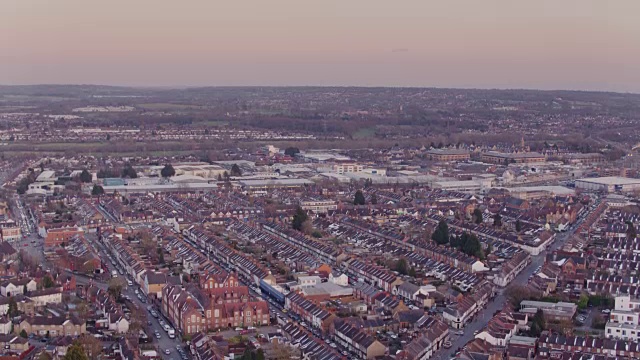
365,133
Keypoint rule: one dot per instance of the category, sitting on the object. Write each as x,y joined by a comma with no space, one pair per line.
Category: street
500,300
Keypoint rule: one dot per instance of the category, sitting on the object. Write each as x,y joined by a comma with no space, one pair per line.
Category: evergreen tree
235,170
359,198
13,307
538,324
97,190
477,216
441,234
167,171
129,172
497,220
47,282
85,176
402,267
299,218
518,225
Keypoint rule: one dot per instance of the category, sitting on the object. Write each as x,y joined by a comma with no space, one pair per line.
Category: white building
624,320
609,184
339,278
15,287
342,168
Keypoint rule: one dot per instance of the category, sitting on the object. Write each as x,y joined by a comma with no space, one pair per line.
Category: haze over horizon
573,44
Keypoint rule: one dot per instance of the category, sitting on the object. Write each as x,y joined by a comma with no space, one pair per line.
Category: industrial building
609,184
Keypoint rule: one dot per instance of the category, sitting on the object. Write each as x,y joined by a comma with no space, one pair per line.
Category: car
333,345
606,311
158,336
447,345
167,351
149,322
25,245
178,347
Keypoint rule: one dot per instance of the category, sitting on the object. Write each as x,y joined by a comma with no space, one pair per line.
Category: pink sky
559,44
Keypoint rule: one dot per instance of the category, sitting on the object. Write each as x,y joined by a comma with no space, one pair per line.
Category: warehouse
609,184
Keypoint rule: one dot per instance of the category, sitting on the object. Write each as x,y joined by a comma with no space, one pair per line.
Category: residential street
500,300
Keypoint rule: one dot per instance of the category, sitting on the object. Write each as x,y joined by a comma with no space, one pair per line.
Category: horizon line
182,87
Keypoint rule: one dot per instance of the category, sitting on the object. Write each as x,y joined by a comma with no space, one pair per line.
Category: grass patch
365,133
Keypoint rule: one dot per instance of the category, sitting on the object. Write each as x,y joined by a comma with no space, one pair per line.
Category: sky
537,44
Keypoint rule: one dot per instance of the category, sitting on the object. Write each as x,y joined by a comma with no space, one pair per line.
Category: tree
167,171
291,151
374,199
472,247
631,230
160,255
412,272
47,282
497,220
359,198
401,266
85,176
518,225
299,218
13,307
260,354
441,234
538,324
97,190
583,302
129,172
477,216
516,293
235,170
115,288
83,311
24,334
75,352
91,346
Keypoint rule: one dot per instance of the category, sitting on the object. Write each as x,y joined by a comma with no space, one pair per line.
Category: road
498,303
130,291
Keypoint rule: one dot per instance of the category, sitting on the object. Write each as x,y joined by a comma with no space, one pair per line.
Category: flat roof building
609,184
495,157
448,155
553,311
